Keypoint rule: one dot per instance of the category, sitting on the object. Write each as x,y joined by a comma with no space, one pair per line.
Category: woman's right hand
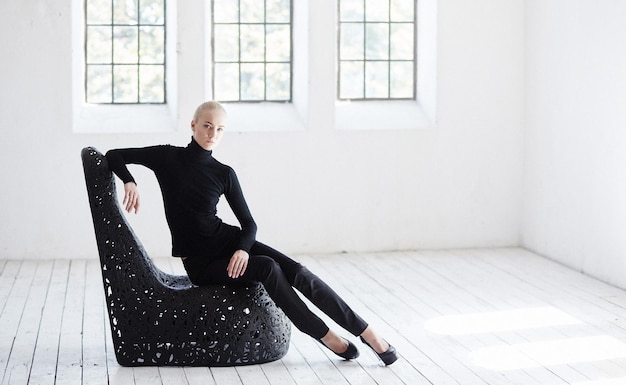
131,197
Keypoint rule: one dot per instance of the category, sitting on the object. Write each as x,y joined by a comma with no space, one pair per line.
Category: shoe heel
351,353
387,357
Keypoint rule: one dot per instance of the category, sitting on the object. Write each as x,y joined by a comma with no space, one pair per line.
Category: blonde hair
210,105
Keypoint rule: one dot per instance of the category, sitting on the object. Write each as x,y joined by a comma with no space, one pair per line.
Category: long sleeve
237,202
147,156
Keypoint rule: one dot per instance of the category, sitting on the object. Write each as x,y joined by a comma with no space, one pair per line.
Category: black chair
162,319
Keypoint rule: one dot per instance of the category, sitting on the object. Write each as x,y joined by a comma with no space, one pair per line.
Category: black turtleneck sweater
192,182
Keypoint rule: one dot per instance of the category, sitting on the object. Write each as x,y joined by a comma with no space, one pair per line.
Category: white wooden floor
502,316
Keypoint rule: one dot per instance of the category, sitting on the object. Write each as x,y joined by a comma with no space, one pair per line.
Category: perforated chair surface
162,319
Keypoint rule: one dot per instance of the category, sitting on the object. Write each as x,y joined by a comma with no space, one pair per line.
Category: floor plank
44,365
70,356
20,362
12,313
94,352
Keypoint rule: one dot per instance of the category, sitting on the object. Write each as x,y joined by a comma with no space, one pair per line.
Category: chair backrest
124,260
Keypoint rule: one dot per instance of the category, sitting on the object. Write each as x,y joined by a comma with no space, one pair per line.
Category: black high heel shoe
351,353
388,357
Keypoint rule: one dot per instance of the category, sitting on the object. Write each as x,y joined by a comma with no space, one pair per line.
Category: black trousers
279,275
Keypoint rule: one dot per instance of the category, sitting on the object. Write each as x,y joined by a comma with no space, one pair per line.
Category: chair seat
161,319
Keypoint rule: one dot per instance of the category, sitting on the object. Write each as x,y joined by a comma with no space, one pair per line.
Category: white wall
316,190
575,181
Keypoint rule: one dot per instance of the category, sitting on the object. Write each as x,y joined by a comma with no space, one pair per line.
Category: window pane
377,79
252,11
226,82
252,81
377,41
151,81
278,81
100,84
277,11
225,11
352,10
99,45
402,45
352,41
98,11
352,78
151,47
152,12
226,42
125,44
402,10
377,10
252,42
401,82
278,43
125,84
125,12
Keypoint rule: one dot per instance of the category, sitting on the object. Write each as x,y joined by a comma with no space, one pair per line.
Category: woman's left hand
238,264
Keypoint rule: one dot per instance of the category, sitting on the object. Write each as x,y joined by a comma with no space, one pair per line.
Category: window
125,51
251,47
376,49
413,102
125,66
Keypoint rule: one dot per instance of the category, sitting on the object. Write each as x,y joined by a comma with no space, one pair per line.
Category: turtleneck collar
198,153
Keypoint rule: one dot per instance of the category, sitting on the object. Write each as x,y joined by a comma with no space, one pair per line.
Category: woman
192,182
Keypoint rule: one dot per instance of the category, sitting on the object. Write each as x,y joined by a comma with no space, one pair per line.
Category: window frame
263,116
122,118
420,113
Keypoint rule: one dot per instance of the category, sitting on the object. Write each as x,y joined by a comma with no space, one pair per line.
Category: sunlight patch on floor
611,381
500,321
549,353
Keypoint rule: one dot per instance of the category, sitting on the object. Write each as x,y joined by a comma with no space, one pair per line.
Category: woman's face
209,128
